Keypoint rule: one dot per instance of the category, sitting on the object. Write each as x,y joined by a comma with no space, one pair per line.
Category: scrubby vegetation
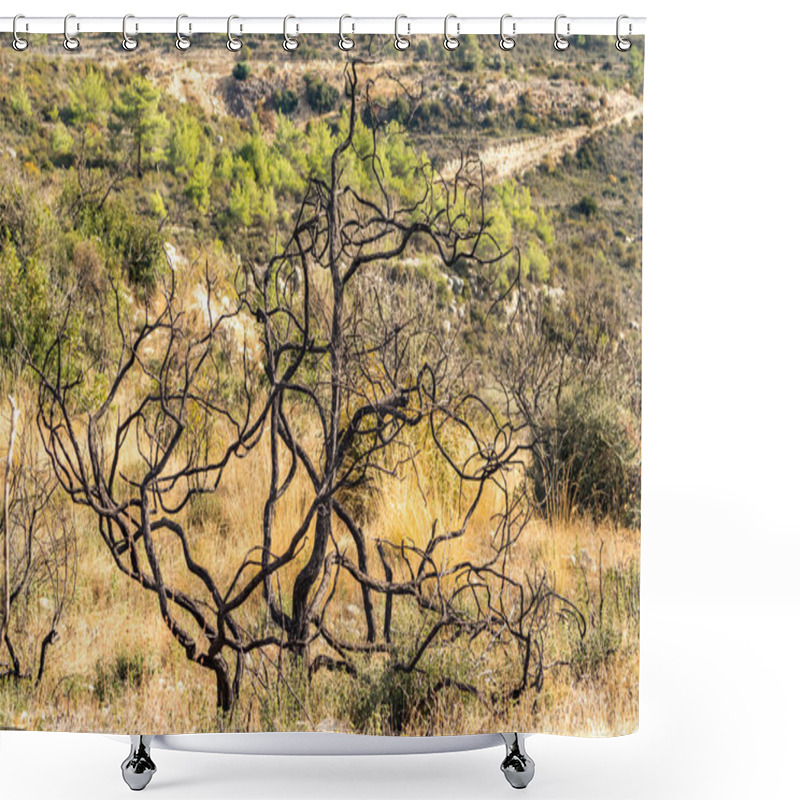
144,188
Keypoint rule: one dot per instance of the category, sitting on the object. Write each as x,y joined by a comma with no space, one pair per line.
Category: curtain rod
298,25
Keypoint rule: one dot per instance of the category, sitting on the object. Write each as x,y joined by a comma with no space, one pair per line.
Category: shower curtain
324,386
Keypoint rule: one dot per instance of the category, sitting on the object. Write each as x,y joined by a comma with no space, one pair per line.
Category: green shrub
20,102
243,199
399,110
285,101
132,239
321,96
242,71
586,206
590,154
198,187
61,144
527,121
635,62
24,306
469,55
185,143
592,651
592,459
126,671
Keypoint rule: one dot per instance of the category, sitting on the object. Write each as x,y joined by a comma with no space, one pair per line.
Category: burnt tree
39,555
370,361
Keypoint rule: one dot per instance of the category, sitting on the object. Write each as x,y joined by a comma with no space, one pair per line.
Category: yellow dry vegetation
116,666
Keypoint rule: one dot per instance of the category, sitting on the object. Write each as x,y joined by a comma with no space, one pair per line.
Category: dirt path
513,157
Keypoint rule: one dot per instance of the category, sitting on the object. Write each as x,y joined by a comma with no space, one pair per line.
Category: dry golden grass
117,668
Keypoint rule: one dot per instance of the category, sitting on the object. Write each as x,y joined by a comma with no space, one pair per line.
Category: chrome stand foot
138,768
517,766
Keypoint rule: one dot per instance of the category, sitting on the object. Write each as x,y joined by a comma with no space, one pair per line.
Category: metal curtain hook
289,42
234,43
18,43
128,42
507,42
182,42
560,43
400,42
623,44
451,42
345,42
71,43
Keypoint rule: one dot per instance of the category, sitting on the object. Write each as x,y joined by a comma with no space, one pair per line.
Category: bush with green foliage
198,187
89,99
398,110
185,143
586,207
24,307
242,71
469,56
126,671
243,200
285,101
594,456
515,222
321,96
132,241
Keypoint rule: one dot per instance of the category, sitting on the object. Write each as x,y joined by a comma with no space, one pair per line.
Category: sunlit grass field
117,668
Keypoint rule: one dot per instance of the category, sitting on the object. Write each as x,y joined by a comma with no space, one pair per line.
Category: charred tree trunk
226,691
225,695
308,576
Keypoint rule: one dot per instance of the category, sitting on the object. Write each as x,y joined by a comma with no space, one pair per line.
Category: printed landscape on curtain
324,386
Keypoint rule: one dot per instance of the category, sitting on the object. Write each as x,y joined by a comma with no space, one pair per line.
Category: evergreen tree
185,142
138,109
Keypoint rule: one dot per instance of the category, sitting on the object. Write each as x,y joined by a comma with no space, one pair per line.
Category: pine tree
137,107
